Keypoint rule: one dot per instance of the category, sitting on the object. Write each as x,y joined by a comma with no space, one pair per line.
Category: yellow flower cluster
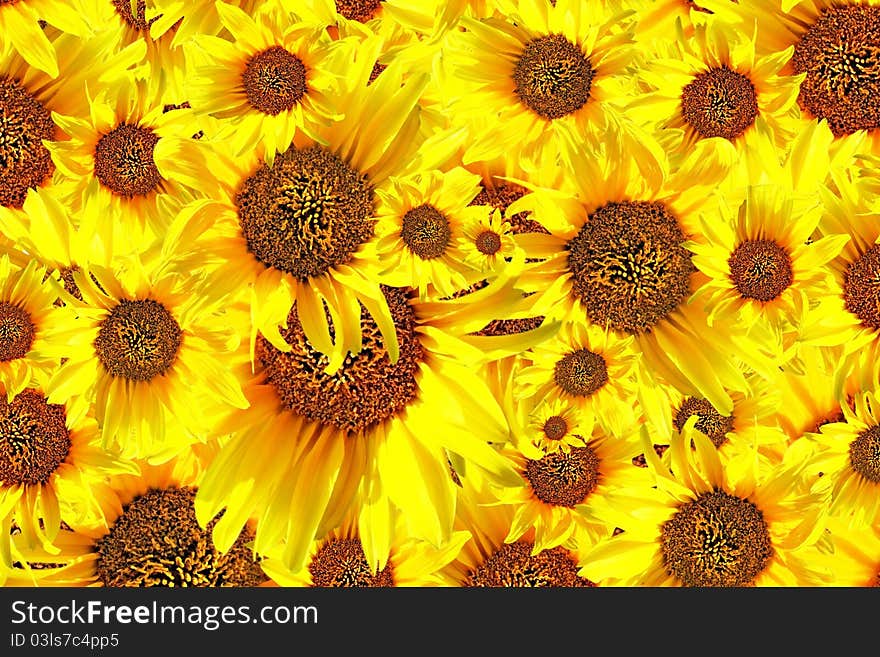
489,293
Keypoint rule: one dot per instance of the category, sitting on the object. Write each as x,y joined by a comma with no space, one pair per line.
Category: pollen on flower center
426,231
34,439
138,340
274,80
760,269
124,160
555,427
629,266
514,565
840,54
581,373
553,77
864,454
710,422
488,242
358,10
366,390
719,103
24,123
157,541
136,20
340,562
17,331
861,287
306,213
717,540
564,478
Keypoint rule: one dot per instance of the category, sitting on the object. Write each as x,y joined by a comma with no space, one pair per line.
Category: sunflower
28,316
544,72
487,241
587,367
855,557
765,265
311,436
28,99
713,86
299,229
127,166
421,223
277,76
51,469
490,560
148,536
146,348
847,460
827,36
555,425
847,322
557,491
22,32
708,525
338,560
617,257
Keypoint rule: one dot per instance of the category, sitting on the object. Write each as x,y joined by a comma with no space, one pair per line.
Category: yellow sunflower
542,72
421,222
148,536
28,315
275,77
311,436
765,265
708,525
618,257
556,494
827,37
28,99
555,425
129,163
714,86
299,230
21,31
146,348
52,466
489,560
847,459
590,368
338,560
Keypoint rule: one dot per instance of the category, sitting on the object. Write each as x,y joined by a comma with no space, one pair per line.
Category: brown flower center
34,439
274,80
139,339
514,565
564,478
581,373
136,20
157,541
307,213
710,422
340,562
510,326
426,231
861,287
24,123
366,390
555,427
629,266
553,77
358,10
500,196
124,161
488,242
719,103
839,54
760,269
716,540
864,454
17,331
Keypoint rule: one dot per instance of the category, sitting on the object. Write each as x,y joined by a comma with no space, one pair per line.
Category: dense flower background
470,293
